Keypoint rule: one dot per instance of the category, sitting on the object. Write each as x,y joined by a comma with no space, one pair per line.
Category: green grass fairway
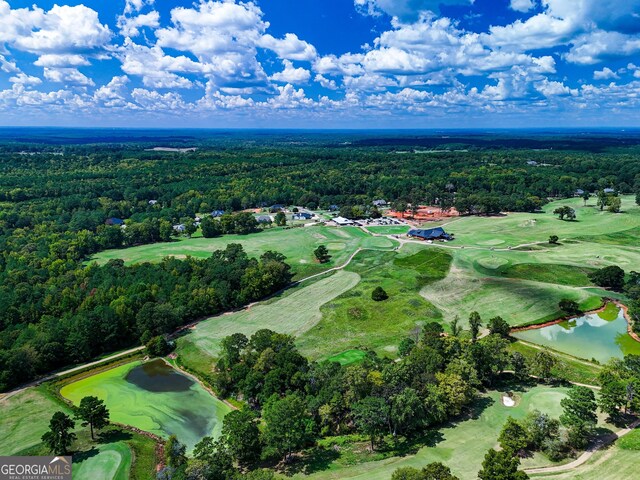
190,414
348,357
518,301
106,462
354,320
461,446
24,417
297,244
293,312
548,273
522,228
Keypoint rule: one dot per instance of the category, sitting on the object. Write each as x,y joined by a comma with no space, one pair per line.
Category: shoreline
564,318
623,307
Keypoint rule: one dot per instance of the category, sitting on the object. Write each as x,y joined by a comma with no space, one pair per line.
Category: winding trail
587,454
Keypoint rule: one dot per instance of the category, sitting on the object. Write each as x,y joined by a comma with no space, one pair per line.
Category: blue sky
320,63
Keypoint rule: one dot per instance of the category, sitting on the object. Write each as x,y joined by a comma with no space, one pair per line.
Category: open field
355,321
182,407
297,244
462,445
24,417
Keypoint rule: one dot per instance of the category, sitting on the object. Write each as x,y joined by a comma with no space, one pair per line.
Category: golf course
462,445
498,266
297,244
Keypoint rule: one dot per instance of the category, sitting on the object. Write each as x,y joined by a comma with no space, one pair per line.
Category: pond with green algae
598,336
156,398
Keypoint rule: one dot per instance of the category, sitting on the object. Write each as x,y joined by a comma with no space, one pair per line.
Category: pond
599,336
156,398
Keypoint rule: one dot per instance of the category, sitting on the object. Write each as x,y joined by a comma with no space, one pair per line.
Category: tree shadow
114,435
79,457
316,460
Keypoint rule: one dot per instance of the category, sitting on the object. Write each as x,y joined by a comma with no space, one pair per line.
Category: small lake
597,335
156,398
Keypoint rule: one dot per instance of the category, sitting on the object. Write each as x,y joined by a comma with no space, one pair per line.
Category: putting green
162,401
348,357
106,462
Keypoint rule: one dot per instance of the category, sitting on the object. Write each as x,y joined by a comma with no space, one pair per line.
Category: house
341,221
430,234
114,221
153,202
179,228
533,163
334,208
276,208
264,219
609,190
579,192
217,213
380,203
302,216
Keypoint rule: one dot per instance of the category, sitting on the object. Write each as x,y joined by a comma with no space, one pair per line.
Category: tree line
53,320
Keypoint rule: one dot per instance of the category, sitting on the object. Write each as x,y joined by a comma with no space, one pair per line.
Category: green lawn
294,312
549,273
521,228
462,445
297,244
24,417
190,414
355,321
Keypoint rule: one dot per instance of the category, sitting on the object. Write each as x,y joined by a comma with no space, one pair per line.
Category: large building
430,234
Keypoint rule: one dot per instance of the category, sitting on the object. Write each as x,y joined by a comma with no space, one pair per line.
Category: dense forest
58,199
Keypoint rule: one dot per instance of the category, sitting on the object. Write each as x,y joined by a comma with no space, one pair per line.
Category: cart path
110,358
52,376
598,445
